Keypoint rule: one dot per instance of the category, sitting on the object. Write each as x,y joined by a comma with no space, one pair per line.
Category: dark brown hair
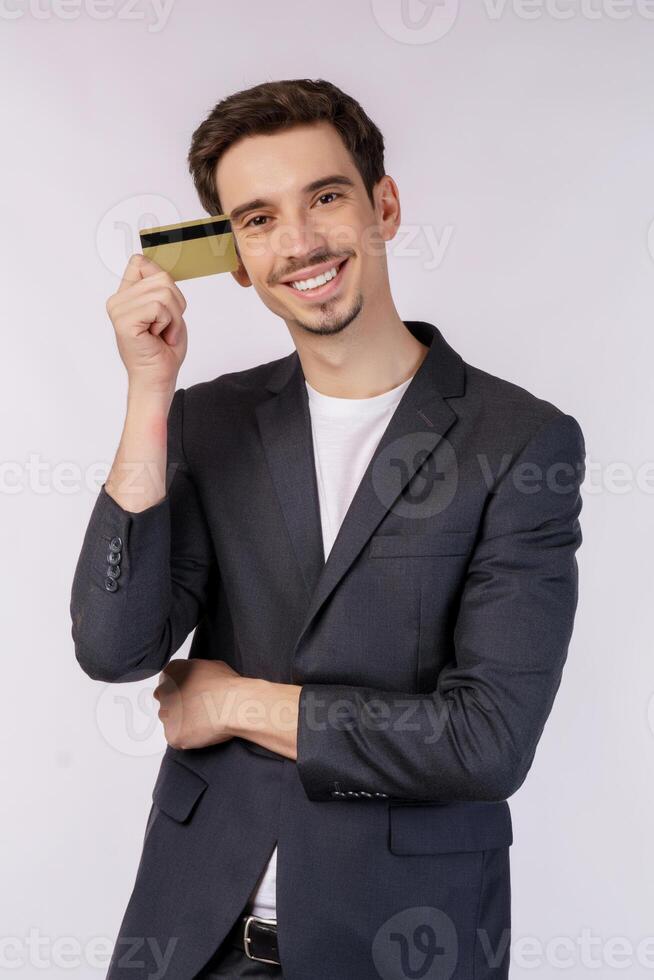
273,106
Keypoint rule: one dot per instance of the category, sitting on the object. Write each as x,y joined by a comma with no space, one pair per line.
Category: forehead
272,165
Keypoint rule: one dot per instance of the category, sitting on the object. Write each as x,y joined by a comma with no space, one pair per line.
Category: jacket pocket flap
435,828
177,789
420,545
257,749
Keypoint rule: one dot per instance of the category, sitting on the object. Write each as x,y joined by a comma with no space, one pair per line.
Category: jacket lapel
285,427
419,422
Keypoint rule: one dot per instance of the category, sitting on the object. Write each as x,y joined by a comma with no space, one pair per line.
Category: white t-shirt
346,432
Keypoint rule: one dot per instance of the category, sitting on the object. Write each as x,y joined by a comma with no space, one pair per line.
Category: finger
160,309
159,317
174,322
156,282
153,316
138,267
173,333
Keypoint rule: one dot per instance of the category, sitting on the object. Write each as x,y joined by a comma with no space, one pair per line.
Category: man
375,544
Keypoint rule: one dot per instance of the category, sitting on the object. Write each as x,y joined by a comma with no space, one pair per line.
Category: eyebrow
315,185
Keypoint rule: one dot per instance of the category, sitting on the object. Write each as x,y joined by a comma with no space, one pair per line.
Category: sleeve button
116,544
110,584
113,557
113,571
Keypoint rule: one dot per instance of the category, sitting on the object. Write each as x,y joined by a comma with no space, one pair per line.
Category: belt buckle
247,940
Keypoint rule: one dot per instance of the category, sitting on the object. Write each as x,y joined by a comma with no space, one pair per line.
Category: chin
327,322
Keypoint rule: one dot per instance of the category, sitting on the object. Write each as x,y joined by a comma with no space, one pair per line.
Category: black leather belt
257,937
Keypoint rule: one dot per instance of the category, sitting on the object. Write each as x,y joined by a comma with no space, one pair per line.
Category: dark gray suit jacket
429,647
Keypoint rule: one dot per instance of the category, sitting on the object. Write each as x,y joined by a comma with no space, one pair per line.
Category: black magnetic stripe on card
205,230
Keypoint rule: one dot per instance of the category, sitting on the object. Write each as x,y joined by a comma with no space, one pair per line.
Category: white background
523,139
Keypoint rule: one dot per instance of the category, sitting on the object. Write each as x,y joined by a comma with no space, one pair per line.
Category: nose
299,235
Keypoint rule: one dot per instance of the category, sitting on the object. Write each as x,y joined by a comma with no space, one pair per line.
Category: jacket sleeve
474,736
142,579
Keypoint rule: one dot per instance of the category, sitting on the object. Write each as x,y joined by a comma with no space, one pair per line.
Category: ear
387,197
241,276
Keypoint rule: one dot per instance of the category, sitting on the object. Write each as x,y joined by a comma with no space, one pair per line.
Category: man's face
298,209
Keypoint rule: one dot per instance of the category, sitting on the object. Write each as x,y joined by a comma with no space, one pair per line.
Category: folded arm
474,736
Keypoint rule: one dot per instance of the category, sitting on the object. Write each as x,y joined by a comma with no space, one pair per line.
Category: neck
363,360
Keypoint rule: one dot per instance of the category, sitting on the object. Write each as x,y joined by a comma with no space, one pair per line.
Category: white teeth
320,280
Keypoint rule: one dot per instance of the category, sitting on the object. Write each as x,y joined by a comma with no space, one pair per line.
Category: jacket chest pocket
435,828
421,544
177,789
434,563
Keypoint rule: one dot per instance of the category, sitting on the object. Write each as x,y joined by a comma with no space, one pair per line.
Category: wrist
247,705
153,400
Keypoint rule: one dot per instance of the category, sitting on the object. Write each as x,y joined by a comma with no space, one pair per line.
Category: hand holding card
147,313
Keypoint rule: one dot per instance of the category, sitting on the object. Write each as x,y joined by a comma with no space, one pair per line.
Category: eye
330,194
247,223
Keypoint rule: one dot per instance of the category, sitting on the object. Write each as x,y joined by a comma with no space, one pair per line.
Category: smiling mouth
322,290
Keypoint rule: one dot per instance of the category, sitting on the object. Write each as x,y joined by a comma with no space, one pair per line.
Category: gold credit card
192,248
